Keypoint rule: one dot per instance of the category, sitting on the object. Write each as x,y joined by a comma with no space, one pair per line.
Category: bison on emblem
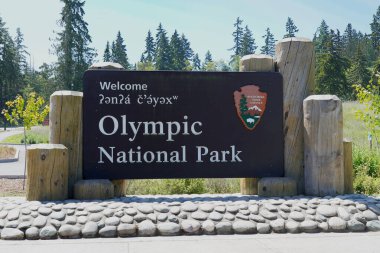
250,105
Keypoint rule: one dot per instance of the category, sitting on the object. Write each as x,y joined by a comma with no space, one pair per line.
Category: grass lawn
352,127
39,134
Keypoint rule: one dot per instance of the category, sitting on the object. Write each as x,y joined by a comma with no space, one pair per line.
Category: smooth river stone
327,211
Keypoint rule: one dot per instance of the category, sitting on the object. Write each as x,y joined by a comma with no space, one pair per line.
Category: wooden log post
119,185
254,62
323,133
295,61
65,123
277,187
47,170
94,189
348,167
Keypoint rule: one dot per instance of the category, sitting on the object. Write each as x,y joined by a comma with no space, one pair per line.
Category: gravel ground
11,187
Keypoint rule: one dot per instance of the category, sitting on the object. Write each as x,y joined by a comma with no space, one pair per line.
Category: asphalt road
13,169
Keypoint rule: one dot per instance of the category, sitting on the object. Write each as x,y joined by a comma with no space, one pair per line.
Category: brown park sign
167,124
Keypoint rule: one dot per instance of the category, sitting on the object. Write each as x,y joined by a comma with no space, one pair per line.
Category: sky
208,24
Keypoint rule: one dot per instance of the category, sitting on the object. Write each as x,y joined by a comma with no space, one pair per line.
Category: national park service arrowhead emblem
250,105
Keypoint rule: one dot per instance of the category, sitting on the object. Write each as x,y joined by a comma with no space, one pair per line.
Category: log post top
106,65
67,93
46,146
322,97
295,39
256,62
256,56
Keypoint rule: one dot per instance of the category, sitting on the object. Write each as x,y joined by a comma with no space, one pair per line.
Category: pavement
13,169
271,243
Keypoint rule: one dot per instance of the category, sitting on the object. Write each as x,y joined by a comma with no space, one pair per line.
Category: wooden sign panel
166,124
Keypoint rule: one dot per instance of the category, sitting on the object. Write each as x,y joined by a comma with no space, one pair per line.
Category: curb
12,177
14,159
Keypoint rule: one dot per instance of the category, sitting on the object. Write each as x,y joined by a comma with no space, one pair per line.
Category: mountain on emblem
250,105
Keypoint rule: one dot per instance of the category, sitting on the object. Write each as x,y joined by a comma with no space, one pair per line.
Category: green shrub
183,186
366,184
366,171
367,161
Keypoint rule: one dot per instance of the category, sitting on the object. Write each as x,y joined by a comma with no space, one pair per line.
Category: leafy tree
43,81
28,113
149,52
196,62
222,66
238,37
248,42
145,66
163,58
375,29
72,45
234,63
119,51
107,53
209,66
369,96
269,46
291,28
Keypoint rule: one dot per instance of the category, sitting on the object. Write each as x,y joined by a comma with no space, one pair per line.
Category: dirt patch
11,187
7,152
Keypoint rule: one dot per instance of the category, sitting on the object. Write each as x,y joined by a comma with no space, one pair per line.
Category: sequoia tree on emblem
250,105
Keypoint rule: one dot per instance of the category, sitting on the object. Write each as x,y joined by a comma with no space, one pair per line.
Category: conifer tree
248,42
208,63
238,37
375,29
350,41
291,28
107,53
72,45
208,57
177,52
149,48
119,51
20,52
188,52
10,82
163,59
358,73
322,37
269,43
330,72
196,62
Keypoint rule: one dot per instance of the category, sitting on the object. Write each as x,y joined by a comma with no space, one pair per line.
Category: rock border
186,215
